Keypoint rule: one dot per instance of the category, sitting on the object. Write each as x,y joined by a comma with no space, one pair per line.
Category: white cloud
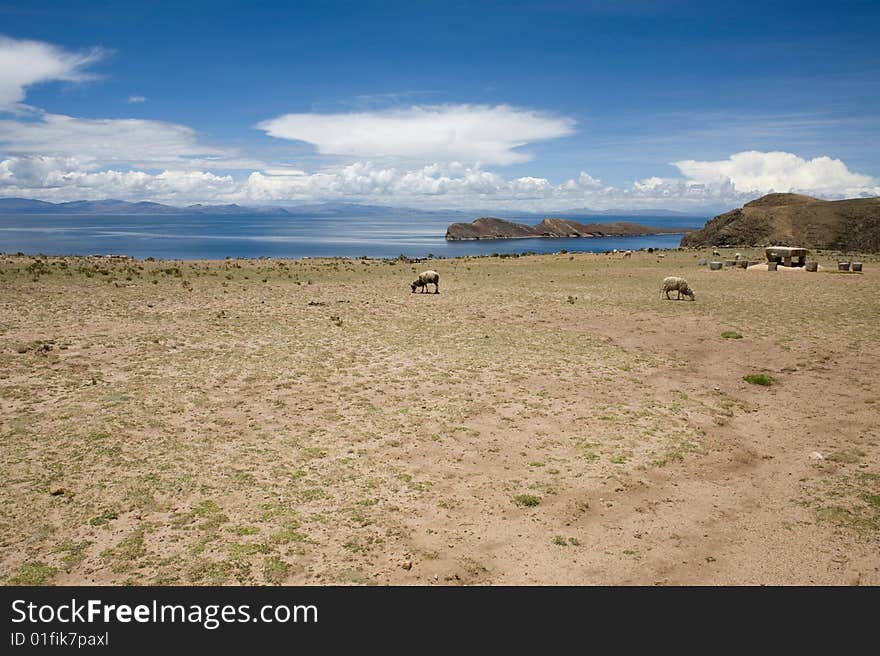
62,179
764,172
439,185
437,133
650,184
115,142
25,63
432,155
92,143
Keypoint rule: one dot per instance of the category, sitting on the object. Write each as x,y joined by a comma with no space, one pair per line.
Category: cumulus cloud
764,172
650,184
439,185
432,155
457,185
438,133
453,184
69,178
25,63
114,142
66,178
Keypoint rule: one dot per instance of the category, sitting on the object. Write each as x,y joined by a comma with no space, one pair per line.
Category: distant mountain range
111,207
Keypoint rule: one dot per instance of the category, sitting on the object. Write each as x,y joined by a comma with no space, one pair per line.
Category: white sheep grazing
424,279
680,285
627,254
716,252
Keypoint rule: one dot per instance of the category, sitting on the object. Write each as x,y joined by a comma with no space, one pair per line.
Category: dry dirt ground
543,420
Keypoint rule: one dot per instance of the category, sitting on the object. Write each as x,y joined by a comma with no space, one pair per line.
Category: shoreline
349,258
492,238
121,257
831,256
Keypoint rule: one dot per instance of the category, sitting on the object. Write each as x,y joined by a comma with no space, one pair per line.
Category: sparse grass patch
850,518
353,576
848,456
210,572
313,494
143,498
677,452
849,501
275,570
205,508
238,550
758,379
288,533
208,510
36,573
246,530
273,510
731,334
124,556
74,552
104,518
526,500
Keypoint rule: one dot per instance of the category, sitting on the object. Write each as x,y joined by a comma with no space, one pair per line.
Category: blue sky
536,105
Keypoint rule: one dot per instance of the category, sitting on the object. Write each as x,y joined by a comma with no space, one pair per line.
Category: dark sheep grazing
425,278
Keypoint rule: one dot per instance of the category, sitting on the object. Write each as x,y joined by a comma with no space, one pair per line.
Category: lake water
218,237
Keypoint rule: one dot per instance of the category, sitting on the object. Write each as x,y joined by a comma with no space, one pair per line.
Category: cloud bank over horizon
437,156
705,185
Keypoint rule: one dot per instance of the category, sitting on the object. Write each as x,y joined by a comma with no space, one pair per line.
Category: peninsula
493,228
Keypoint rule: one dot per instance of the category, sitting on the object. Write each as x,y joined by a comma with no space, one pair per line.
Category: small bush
527,500
758,379
730,334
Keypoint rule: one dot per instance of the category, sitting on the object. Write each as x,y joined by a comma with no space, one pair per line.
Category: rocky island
493,228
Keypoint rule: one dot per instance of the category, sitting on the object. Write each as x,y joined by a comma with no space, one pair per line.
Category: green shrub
527,500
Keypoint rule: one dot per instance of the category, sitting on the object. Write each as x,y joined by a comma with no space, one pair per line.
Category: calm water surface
217,237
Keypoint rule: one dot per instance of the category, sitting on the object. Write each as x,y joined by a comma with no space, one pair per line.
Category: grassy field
544,419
